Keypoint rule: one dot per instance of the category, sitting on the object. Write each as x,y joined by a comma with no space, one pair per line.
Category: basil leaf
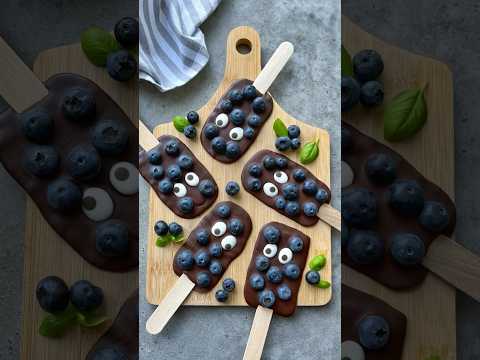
309,152
346,64
405,115
177,239
317,263
279,128
163,240
90,320
97,44
180,122
323,284
55,325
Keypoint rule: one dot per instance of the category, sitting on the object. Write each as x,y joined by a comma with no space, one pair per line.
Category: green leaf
177,239
55,325
309,152
163,240
90,320
97,44
323,284
180,122
317,263
279,128
346,65
405,115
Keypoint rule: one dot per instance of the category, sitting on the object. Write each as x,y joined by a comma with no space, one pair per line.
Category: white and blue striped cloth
172,46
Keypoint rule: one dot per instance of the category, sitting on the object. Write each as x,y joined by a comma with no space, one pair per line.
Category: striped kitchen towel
172,46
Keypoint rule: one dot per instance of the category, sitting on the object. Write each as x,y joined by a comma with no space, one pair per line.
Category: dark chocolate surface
388,272
201,203
75,227
224,132
268,176
281,307
356,305
227,256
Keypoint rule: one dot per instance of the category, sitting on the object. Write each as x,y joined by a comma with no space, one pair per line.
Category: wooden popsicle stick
331,216
273,67
169,305
145,137
18,84
258,333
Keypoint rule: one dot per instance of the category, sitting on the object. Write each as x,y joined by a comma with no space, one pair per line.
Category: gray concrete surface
307,89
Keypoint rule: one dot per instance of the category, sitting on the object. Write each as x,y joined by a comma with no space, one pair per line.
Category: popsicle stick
273,67
258,333
169,305
331,216
18,84
145,137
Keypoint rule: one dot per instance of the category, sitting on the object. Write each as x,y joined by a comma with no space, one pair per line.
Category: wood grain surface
160,276
430,308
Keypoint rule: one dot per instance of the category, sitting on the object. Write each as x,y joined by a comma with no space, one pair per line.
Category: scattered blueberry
371,93
165,187
193,117
190,132
321,196
365,247
367,65
52,294
211,131
127,31
257,282
250,92
228,284
254,184
373,332
280,202
259,105
232,150
155,156
274,275
310,187
85,296
255,121
174,172
219,145
121,65
184,259
284,292
185,205
161,228
262,263
111,238
215,250
63,195
269,162
291,271
312,277
381,168
237,117
235,226
83,162
299,175
175,229
41,160
203,279
271,234
232,188
292,208
215,267
359,207
290,191
310,209
407,249
185,162
226,106
283,143
406,197
224,211
434,217
295,243
207,188
110,137
295,144
172,147
266,298
221,295
255,170
235,96
350,91
37,125
248,133
281,162
293,131
79,105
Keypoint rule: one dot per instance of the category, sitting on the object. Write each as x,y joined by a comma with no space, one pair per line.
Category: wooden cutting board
430,308
160,276
45,253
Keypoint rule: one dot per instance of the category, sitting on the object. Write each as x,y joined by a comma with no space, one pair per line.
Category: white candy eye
221,120
124,178
347,175
229,242
236,134
179,190
192,179
219,228
270,189
97,205
270,250
280,177
352,350
285,255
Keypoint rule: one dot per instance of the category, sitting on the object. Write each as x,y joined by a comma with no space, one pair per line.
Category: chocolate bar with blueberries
178,177
236,121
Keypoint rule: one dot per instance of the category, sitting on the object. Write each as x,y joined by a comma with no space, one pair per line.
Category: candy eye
221,120
236,134
97,205
285,255
179,190
124,178
219,228
192,179
352,350
270,250
229,242
270,189
280,177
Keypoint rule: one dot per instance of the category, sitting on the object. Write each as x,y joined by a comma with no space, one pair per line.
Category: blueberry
224,211
108,353
63,195
269,162
321,196
299,175
248,133
290,191
281,162
255,120
271,234
184,259
255,170
85,296
350,92
165,187
262,263
280,202
293,131
237,117
211,131
365,247
295,144
283,143
292,271
207,188
235,226
111,238
226,106
235,96
434,217
232,150
381,168
367,65
172,147
406,197
203,279
202,237
274,275
174,172
228,284
110,137
259,105
347,140
221,295
175,228
202,258
185,162
312,277
190,132
155,156
371,93
359,207
215,250
83,162
41,160
292,208
250,92
79,105
127,31
52,294
185,205
257,282
121,65
254,184
295,243
345,234
193,117
37,125
161,228
310,187
284,292
407,249
219,145
266,298
310,209
215,267
373,332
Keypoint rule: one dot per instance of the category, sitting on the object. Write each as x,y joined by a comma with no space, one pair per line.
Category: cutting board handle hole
244,46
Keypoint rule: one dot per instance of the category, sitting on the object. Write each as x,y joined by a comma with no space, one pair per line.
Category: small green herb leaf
177,239
90,320
323,284
346,65
97,44
163,240
405,115
180,122
55,325
317,263
309,152
279,128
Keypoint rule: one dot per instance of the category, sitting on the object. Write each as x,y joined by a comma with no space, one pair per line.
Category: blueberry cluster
364,86
290,142
167,232
228,286
190,131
